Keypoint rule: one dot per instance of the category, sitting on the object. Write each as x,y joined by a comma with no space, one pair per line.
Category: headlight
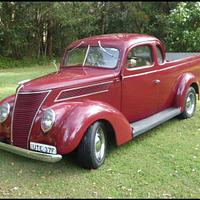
4,112
48,120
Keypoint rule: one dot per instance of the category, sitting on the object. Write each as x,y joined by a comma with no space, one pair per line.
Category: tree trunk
38,33
50,38
103,17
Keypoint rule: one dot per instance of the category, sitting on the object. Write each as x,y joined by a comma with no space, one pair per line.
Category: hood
68,77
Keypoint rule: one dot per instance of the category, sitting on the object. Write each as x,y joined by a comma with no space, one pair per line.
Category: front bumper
30,154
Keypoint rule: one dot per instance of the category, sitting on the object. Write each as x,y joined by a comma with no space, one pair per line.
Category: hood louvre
83,91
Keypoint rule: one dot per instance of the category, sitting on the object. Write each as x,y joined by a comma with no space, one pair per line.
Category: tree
184,27
44,29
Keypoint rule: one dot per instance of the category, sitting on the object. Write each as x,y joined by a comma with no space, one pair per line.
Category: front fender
87,113
73,120
183,84
5,128
9,99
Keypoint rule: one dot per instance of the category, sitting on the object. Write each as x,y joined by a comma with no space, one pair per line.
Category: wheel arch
185,81
196,88
83,115
110,131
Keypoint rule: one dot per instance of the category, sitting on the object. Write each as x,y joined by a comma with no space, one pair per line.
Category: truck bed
171,56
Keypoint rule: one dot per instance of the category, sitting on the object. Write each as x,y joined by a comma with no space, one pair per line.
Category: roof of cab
115,39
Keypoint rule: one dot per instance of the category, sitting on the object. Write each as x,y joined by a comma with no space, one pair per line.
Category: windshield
96,56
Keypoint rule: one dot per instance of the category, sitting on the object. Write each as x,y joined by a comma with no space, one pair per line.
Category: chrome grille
26,107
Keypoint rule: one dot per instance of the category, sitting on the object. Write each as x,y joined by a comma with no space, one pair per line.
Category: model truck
108,87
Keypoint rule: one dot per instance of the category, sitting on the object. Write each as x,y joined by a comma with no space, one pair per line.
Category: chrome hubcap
190,103
99,144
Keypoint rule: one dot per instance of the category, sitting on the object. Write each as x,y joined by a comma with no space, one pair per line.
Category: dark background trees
44,29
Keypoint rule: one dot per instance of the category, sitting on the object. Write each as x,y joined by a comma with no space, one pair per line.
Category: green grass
10,77
163,163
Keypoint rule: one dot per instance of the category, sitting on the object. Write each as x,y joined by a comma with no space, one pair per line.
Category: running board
148,123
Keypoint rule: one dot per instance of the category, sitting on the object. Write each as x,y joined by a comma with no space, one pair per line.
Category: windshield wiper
76,46
105,50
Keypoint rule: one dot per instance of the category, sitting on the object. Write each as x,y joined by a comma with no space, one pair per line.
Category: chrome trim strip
30,154
56,100
144,73
35,116
23,81
11,132
35,92
84,95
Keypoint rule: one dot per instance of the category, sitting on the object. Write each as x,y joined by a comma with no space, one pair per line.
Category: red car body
81,96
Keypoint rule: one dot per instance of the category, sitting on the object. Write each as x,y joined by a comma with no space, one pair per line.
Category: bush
184,31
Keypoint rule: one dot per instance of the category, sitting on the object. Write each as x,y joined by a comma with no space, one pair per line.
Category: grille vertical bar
26,108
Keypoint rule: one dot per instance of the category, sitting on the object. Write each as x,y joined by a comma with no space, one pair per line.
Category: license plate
44,148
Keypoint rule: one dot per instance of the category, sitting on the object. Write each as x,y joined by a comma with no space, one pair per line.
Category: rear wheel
93,147
190,104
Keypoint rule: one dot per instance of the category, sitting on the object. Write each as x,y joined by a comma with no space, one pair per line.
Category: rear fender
184,82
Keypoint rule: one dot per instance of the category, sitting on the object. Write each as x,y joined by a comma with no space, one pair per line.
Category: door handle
156,81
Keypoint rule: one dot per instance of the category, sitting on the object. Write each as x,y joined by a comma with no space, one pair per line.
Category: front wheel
190,104
93,147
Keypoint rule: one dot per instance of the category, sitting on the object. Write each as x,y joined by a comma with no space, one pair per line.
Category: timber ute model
108,87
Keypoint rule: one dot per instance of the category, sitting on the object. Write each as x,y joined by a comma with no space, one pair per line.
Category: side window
159,55
140,56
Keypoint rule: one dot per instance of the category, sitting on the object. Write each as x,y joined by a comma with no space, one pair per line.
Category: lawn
163,163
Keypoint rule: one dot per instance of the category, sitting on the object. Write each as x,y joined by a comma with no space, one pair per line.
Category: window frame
141,67
107,46
161,52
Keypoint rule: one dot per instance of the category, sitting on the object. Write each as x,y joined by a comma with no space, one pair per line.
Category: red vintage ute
108,87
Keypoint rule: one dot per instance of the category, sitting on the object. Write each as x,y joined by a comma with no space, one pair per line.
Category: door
140,83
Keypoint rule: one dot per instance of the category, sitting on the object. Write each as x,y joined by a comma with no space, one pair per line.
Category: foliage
184,31
44,29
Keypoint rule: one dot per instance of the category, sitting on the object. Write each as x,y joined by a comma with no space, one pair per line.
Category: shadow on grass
69,164
140,138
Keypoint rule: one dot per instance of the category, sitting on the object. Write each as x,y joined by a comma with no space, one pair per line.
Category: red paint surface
130,95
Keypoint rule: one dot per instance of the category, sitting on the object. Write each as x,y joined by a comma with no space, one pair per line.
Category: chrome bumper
30,154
